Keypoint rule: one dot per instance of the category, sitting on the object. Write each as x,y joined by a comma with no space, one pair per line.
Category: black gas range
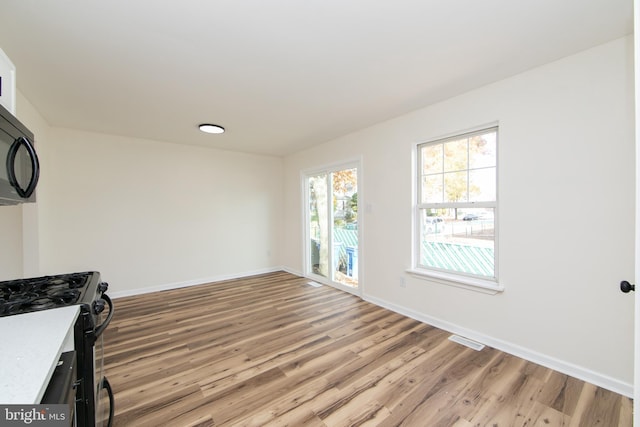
94,405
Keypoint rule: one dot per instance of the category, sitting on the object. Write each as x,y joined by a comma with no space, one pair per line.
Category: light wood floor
272,350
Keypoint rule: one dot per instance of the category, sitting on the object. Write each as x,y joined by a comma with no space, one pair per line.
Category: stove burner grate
41,293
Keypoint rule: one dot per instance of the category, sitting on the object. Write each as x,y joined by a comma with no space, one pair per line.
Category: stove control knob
103,286
98,306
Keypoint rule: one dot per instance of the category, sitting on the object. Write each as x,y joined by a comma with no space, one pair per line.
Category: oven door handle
100,329
107,386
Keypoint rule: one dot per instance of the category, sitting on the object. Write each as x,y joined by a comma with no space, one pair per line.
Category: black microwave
20,172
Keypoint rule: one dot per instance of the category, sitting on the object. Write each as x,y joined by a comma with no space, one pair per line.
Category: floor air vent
314,284
466,342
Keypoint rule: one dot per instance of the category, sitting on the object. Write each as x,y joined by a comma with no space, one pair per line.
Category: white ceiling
280,75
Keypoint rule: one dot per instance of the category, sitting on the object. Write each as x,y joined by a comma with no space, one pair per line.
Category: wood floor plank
440,404
271,350
541,415
352,404
560,392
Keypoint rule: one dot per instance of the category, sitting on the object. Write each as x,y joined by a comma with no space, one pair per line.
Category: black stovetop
41,293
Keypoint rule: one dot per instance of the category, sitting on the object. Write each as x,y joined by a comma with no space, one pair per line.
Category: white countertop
31,345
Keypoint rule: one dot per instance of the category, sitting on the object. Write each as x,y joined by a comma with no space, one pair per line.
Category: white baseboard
177,285
292,271
575,371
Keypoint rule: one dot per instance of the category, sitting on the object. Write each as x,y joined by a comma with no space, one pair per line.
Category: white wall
11,247
566,206
148,213
145,214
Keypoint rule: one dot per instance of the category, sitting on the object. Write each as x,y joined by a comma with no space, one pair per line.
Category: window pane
345,226
460,240
432,189
482,150
318,224
431,156
455,186
482,185
455,155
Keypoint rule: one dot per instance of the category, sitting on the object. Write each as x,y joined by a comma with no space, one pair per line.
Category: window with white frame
456,207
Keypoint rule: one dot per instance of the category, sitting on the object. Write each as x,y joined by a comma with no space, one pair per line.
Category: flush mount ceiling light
209,128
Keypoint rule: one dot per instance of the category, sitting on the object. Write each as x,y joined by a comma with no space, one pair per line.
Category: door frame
636,54
306,238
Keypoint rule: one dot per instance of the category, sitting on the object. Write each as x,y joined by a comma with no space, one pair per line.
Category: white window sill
471,283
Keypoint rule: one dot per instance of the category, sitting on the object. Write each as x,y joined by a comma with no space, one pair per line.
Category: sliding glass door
331,198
